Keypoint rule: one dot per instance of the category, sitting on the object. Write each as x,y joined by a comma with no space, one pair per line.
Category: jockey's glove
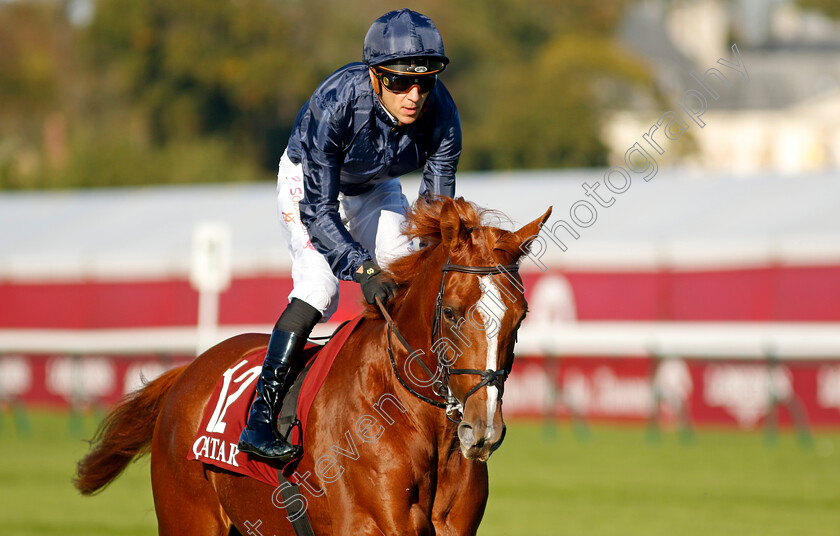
375,283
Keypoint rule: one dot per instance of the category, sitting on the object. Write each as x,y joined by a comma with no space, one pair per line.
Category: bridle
450,403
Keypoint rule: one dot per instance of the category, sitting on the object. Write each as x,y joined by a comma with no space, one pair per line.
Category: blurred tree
27,72
533,80
829,7
34,63
196,68
219,84
560,97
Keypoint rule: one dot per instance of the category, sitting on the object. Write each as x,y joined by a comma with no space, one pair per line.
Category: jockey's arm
319,207
439,172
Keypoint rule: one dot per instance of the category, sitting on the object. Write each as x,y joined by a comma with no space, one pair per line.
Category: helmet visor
414,66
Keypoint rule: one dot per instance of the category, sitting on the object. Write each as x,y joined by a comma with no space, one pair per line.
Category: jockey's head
404,52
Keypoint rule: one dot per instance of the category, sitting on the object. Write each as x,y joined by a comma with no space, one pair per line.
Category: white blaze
492,311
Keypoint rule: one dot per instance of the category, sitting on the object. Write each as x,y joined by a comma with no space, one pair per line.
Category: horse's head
467,286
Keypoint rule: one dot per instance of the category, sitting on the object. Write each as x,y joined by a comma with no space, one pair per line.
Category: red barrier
719,392
782,293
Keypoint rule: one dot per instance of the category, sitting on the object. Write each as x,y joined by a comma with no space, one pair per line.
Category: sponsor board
720,392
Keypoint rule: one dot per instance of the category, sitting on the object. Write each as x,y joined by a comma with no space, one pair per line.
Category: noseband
495,378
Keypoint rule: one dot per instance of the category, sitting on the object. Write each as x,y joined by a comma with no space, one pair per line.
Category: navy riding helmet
405,41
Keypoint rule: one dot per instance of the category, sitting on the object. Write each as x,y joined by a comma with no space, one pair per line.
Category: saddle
227,410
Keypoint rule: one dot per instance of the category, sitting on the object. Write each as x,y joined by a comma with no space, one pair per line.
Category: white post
208,320
210,274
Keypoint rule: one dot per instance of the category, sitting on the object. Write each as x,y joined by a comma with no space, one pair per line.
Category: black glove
374,283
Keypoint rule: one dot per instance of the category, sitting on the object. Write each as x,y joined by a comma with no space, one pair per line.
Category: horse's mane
423,224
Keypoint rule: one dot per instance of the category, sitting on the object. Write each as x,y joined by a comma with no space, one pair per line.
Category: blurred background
680,365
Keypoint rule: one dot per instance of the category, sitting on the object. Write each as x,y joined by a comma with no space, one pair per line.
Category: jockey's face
405,107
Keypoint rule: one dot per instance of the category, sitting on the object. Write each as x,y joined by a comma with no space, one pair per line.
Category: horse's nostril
498,443
466,434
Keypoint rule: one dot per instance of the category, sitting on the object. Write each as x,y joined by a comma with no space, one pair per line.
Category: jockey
338,191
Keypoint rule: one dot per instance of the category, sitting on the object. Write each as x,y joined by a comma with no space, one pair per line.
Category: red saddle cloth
227,411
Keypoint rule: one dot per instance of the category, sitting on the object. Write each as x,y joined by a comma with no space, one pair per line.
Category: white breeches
374,219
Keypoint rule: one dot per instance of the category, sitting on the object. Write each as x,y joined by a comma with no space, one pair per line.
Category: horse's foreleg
378,503
461,498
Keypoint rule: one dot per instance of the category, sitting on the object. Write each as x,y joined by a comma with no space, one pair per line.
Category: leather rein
441,386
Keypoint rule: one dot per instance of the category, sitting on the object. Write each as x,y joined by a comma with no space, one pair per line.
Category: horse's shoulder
359,360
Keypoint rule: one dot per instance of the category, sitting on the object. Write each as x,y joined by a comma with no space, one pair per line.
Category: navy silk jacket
346,142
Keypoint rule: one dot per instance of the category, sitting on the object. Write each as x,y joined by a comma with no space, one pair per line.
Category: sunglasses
397,83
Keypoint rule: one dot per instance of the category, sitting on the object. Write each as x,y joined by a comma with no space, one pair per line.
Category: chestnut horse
415,470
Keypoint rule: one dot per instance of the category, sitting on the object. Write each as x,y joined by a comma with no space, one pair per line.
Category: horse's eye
448,314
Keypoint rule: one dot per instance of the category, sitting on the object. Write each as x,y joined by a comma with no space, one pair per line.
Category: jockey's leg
376,219
314,297
314,281
287,340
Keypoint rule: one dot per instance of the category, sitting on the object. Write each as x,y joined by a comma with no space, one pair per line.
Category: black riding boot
288,338
260,436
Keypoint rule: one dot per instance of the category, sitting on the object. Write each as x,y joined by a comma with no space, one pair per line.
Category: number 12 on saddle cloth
227,410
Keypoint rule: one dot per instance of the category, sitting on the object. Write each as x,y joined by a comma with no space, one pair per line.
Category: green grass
543,482
619,483
36,495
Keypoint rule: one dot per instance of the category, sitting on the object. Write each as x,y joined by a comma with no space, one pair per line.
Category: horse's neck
428,420
413,318
415,313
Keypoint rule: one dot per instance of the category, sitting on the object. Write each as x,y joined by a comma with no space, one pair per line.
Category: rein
441,386
392,326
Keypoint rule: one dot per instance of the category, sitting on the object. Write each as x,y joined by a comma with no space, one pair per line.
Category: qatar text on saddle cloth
227,411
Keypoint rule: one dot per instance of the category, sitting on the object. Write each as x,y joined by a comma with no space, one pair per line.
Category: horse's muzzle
478,443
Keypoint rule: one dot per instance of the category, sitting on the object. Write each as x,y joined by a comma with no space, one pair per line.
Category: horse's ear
512,245
450,223
524,236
